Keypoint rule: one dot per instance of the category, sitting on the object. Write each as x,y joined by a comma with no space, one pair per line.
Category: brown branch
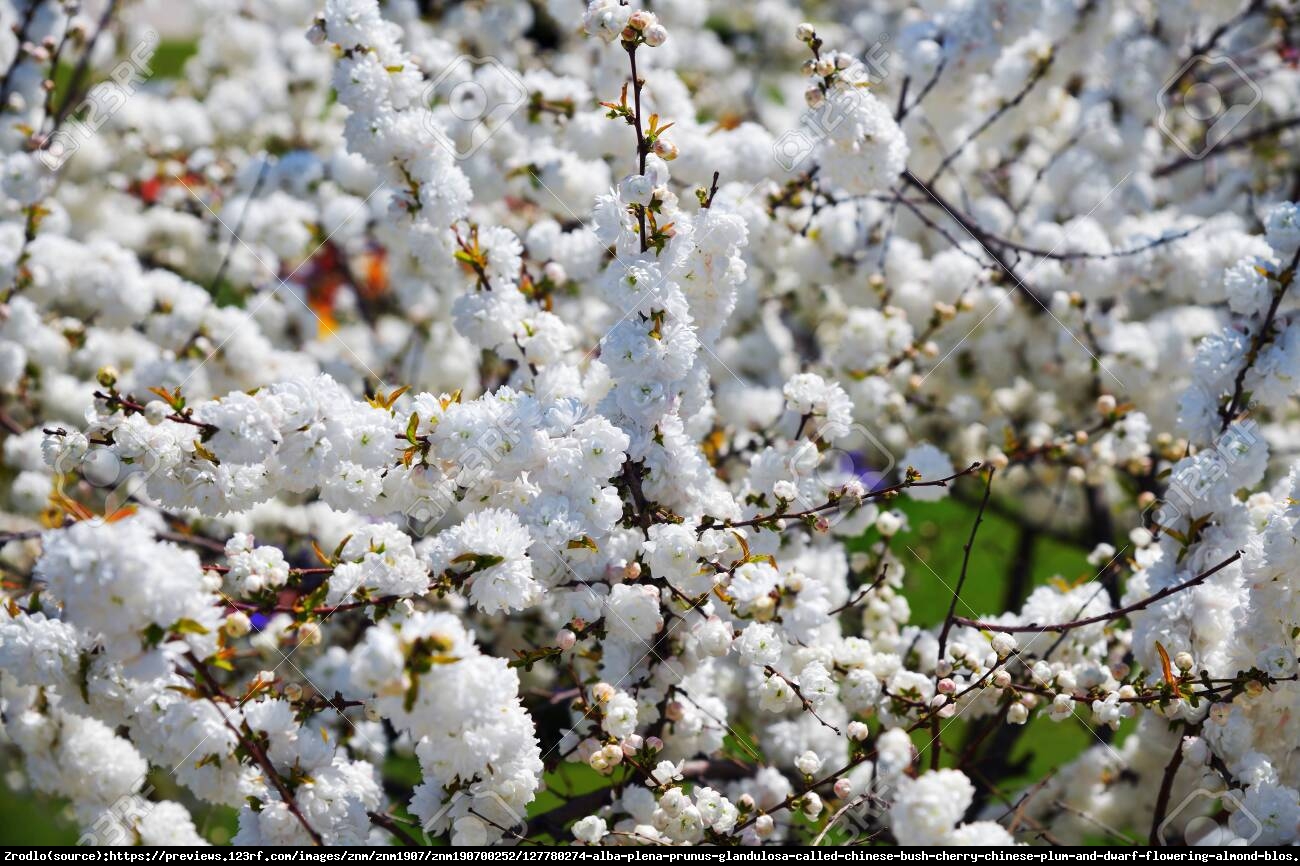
1243,140
980,236
117,401
798,693
965,565
867,590
707,201
642,147
1040,70
925,91
1113,254
387,823
75,91
1105,617
874,494
1229,412
254,749
1166,789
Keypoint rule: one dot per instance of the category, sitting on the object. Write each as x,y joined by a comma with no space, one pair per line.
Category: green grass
932,554
30,819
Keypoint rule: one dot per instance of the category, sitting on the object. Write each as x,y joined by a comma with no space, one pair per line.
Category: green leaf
154,634
189,626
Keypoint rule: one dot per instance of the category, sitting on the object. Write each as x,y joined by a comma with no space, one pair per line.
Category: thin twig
965,565
1105,617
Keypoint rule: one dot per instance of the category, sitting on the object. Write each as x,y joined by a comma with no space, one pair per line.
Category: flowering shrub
409,414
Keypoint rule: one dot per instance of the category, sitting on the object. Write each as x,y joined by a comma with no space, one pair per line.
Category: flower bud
665,149
808,763
566,639
1017,714
1004,644
292,692
843,789
805,32
156,412
888,523
554,272
655,35
1195,750
237,624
